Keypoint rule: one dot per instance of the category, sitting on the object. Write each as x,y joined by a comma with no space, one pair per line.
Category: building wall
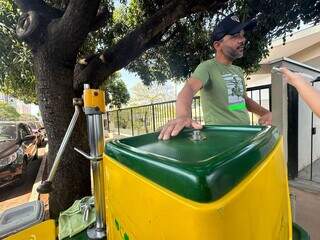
304,133
316,138
309,56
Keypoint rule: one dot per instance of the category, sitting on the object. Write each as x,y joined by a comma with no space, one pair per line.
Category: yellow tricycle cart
220,183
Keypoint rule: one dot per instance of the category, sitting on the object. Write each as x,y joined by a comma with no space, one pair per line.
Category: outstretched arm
309,94
183,111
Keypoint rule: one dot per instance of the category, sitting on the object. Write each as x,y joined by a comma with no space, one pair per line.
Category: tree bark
55,93
55,40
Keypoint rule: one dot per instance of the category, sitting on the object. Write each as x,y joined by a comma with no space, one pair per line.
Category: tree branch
162,42
35,17
28,5
205,6
136,42
38,6
73,28
101,19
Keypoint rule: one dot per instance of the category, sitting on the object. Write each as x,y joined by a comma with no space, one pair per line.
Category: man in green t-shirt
221,84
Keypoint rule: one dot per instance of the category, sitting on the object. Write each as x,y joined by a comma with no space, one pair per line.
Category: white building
303,47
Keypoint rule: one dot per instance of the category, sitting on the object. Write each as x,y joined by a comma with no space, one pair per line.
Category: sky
129,78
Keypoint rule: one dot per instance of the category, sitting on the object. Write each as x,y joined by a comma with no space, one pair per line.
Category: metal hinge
314,131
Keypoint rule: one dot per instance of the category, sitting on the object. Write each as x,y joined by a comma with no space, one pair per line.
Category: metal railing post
153,120
131,112
270,98
118,122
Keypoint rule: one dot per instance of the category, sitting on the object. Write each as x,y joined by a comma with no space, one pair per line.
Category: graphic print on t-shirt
235,92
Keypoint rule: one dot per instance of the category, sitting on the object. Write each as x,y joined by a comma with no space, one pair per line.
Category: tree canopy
8,113
116,91
17,78
186,43
176,52
16,75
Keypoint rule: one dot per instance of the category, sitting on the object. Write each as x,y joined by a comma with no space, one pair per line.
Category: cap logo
235,18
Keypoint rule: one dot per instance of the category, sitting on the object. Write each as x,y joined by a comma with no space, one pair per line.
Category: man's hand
266,119
291,77
173,127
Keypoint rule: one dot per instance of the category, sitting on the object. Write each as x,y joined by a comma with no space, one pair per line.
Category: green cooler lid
203,170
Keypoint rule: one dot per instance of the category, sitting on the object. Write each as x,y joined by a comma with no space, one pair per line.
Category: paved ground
308,212
306,172
14,195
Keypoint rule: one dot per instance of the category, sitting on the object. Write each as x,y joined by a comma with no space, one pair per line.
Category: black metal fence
262,95
150,118
147,118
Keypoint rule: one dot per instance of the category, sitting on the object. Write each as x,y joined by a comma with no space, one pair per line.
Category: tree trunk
55,93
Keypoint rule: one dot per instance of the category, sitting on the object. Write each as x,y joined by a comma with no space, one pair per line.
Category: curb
34,194
305,185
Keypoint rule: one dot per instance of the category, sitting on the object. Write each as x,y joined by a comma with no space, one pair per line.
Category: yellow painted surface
42,231
256,209
93,98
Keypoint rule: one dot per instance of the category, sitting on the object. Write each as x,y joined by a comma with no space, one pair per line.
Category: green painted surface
299,233
80,236
125,236
117,224
201,171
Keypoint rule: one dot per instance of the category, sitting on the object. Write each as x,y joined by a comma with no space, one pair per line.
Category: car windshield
8,132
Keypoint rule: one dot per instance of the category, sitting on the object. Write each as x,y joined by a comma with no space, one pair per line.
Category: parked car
43,132
18,146
39,131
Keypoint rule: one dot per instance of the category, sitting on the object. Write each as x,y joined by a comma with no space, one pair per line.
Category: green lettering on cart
124,236
117,224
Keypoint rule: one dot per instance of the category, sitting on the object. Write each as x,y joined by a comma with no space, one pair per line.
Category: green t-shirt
222,94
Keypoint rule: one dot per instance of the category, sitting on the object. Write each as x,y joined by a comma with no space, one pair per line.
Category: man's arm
309,94
183,110
184,99
265,115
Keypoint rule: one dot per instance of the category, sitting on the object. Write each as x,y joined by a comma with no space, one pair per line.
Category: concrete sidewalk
307,213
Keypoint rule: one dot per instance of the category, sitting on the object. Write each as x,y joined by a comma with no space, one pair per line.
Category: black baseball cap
231,25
